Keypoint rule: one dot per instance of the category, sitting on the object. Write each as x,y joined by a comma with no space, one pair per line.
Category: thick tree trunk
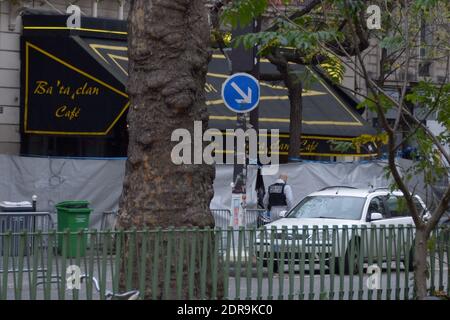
294,86
168,58
295,125
420,263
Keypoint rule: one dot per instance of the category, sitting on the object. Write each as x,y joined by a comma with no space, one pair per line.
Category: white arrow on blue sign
240,92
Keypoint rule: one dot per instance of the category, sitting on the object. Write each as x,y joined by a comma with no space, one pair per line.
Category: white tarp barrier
100,181
54,180
222,187
307,177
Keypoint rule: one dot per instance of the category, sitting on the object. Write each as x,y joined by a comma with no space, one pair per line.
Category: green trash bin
74,216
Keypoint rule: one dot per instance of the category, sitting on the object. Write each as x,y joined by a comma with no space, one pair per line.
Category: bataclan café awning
74,100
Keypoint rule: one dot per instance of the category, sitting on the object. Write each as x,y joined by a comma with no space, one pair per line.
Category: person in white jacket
278,197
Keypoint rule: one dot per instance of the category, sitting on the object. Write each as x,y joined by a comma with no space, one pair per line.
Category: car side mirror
374,216
283,214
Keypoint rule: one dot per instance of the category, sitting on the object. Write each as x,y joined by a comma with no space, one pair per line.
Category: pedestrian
278,197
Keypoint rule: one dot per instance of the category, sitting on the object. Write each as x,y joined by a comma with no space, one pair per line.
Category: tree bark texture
420,263
168,54
168,51
294,86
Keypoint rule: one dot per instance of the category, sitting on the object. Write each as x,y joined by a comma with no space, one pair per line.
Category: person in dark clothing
278,197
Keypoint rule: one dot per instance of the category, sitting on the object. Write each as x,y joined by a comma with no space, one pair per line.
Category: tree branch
307,9
391,141
432,109
405,81
271,77
441,208
295,57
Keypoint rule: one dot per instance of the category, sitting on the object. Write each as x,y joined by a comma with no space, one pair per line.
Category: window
424,69
376,205
426,41
397,207
330,207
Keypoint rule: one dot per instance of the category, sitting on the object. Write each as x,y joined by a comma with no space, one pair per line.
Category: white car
331,220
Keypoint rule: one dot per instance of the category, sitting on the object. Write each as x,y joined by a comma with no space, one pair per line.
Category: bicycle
109,295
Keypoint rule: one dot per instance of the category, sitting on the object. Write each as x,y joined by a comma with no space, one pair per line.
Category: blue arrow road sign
240,92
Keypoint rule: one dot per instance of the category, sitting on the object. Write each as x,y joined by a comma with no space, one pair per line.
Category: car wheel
347,260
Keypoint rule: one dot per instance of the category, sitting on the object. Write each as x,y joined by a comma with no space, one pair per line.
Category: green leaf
424,4
243,12
341,146
334,68
393,43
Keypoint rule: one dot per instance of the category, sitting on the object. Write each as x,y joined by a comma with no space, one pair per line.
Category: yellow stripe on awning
286,120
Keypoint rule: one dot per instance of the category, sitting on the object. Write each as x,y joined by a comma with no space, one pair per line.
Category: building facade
10,29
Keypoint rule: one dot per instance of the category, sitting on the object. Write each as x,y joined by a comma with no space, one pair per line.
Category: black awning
66,91
111,54
74,84
324,111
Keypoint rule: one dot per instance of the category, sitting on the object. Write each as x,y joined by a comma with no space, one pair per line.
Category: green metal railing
299,263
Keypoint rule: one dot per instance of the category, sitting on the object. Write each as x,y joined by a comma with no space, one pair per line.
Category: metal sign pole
243,60
240,178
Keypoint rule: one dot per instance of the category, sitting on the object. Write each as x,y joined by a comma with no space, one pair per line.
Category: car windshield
331,207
